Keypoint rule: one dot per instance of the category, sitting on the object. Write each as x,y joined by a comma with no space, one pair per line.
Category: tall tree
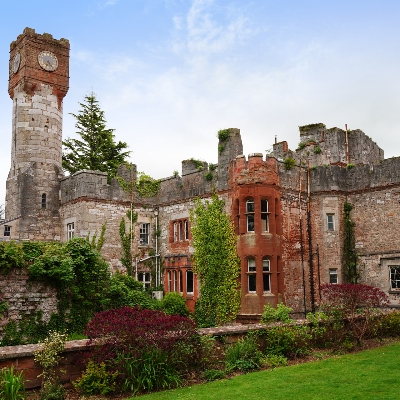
97,149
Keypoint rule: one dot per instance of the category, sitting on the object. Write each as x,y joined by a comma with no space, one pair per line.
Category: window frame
250,215
330,225
251,275
264,215
70,230
44,201
144,234
333,275
7,231
180,230
146,279
266,274
189,271
394,278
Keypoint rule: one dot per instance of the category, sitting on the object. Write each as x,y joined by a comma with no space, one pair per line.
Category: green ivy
11,256
216,262
350,255
223,136
198,163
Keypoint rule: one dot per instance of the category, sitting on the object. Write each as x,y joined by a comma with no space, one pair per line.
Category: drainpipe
301,242
158,275
310,255
347,147
319,273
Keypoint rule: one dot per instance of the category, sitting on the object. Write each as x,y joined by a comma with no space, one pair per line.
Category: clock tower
38,82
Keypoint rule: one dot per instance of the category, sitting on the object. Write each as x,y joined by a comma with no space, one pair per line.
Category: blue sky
170,73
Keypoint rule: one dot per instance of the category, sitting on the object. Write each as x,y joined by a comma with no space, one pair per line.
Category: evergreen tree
97,149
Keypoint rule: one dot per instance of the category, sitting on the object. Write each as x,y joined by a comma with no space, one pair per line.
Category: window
181,230
7,230
180,282
330,222
266,275
394,277
70,230
145,279
169,281
264,216
44,200
144,234
333,276
251,275
175,275
186,222
250,215
189,282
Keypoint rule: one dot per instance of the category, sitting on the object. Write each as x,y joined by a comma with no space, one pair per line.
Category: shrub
213,374
357,303
278,314
289,163
149,347
208,176
174,304
211,353
317,150
288,341
11,384
48,357
389,324
245,355
223,134
96,380
301,145
275,360
11,256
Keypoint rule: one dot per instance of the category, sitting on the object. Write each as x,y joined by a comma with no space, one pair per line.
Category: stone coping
28,350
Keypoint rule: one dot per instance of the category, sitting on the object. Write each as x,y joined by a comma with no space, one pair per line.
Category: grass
371,374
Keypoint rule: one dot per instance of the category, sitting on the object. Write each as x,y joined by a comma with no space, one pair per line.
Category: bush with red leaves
132,334
358,304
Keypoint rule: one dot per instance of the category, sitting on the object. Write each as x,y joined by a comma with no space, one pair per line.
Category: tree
97,149
216,263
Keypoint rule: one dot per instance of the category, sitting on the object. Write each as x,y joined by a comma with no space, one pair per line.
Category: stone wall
25,297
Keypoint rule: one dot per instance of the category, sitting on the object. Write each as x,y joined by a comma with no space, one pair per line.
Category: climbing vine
350,255
126,240
223,136
216,263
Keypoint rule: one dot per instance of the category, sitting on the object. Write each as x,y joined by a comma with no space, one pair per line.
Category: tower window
266,275
44,200
264,216
250,215
7,230
251,275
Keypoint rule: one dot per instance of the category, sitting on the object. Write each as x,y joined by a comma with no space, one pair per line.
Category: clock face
48,61
16,62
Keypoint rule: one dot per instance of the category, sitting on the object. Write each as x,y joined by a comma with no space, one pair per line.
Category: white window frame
187,287
333,276
186,224
70,230
145,279
250,215
266,273
330,222
394,277
264,215
251,274
144,234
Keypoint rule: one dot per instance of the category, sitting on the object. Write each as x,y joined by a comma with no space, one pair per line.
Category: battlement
43,37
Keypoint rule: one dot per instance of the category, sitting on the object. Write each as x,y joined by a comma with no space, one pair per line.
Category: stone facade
287,207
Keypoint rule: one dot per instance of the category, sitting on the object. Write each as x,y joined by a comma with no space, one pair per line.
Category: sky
170,73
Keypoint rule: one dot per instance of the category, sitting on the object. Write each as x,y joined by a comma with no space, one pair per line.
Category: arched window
169,281
44,200
180,282
266,275
251,275
189,282
250,215
264,216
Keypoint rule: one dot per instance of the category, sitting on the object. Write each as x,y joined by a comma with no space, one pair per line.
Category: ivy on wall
216,263
350,255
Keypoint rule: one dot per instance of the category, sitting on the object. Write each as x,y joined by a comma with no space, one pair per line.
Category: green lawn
371,374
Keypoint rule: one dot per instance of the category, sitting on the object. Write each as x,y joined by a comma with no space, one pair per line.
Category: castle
288,207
